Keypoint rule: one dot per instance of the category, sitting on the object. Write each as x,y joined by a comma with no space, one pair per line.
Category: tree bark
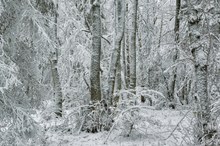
127,49
96,52
118,83
177,20
56,86
133,45
115,57
141,52
175,57
58,96
123,67
200,51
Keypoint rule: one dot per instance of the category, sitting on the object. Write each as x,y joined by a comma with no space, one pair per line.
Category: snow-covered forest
109,72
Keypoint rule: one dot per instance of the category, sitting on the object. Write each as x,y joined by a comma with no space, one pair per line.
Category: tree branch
88,31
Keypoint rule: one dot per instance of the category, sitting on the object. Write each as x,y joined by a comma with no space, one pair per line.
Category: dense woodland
109,72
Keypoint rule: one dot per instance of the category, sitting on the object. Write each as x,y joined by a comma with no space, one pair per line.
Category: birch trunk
96,52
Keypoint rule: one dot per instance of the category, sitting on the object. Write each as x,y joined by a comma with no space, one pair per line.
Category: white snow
151,128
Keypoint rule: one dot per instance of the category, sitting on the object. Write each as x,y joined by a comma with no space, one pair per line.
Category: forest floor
151,128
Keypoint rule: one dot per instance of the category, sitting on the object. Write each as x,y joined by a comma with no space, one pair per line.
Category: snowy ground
151,128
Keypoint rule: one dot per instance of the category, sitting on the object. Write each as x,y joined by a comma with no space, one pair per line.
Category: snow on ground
151,128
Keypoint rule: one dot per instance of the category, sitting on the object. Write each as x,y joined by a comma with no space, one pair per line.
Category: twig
106,40
177,125
87,84
80,129
88,31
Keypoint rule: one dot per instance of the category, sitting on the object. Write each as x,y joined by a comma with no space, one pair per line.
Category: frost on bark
115,57
96,52
133,45
200,47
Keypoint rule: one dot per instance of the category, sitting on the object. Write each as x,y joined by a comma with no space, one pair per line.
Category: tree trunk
96,52
127,49
56,86
123,66
118,81
177,20
200,52
115,58
140,54
58,96
133,45
175,57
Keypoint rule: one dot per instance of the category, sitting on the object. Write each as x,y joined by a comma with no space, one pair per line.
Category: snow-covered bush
16,125
96,117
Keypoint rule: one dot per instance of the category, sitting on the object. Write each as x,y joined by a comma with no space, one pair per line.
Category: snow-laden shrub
131,117
17,126
90,118
97,117
125,115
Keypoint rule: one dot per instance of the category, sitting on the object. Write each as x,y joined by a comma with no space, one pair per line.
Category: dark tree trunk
96,52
